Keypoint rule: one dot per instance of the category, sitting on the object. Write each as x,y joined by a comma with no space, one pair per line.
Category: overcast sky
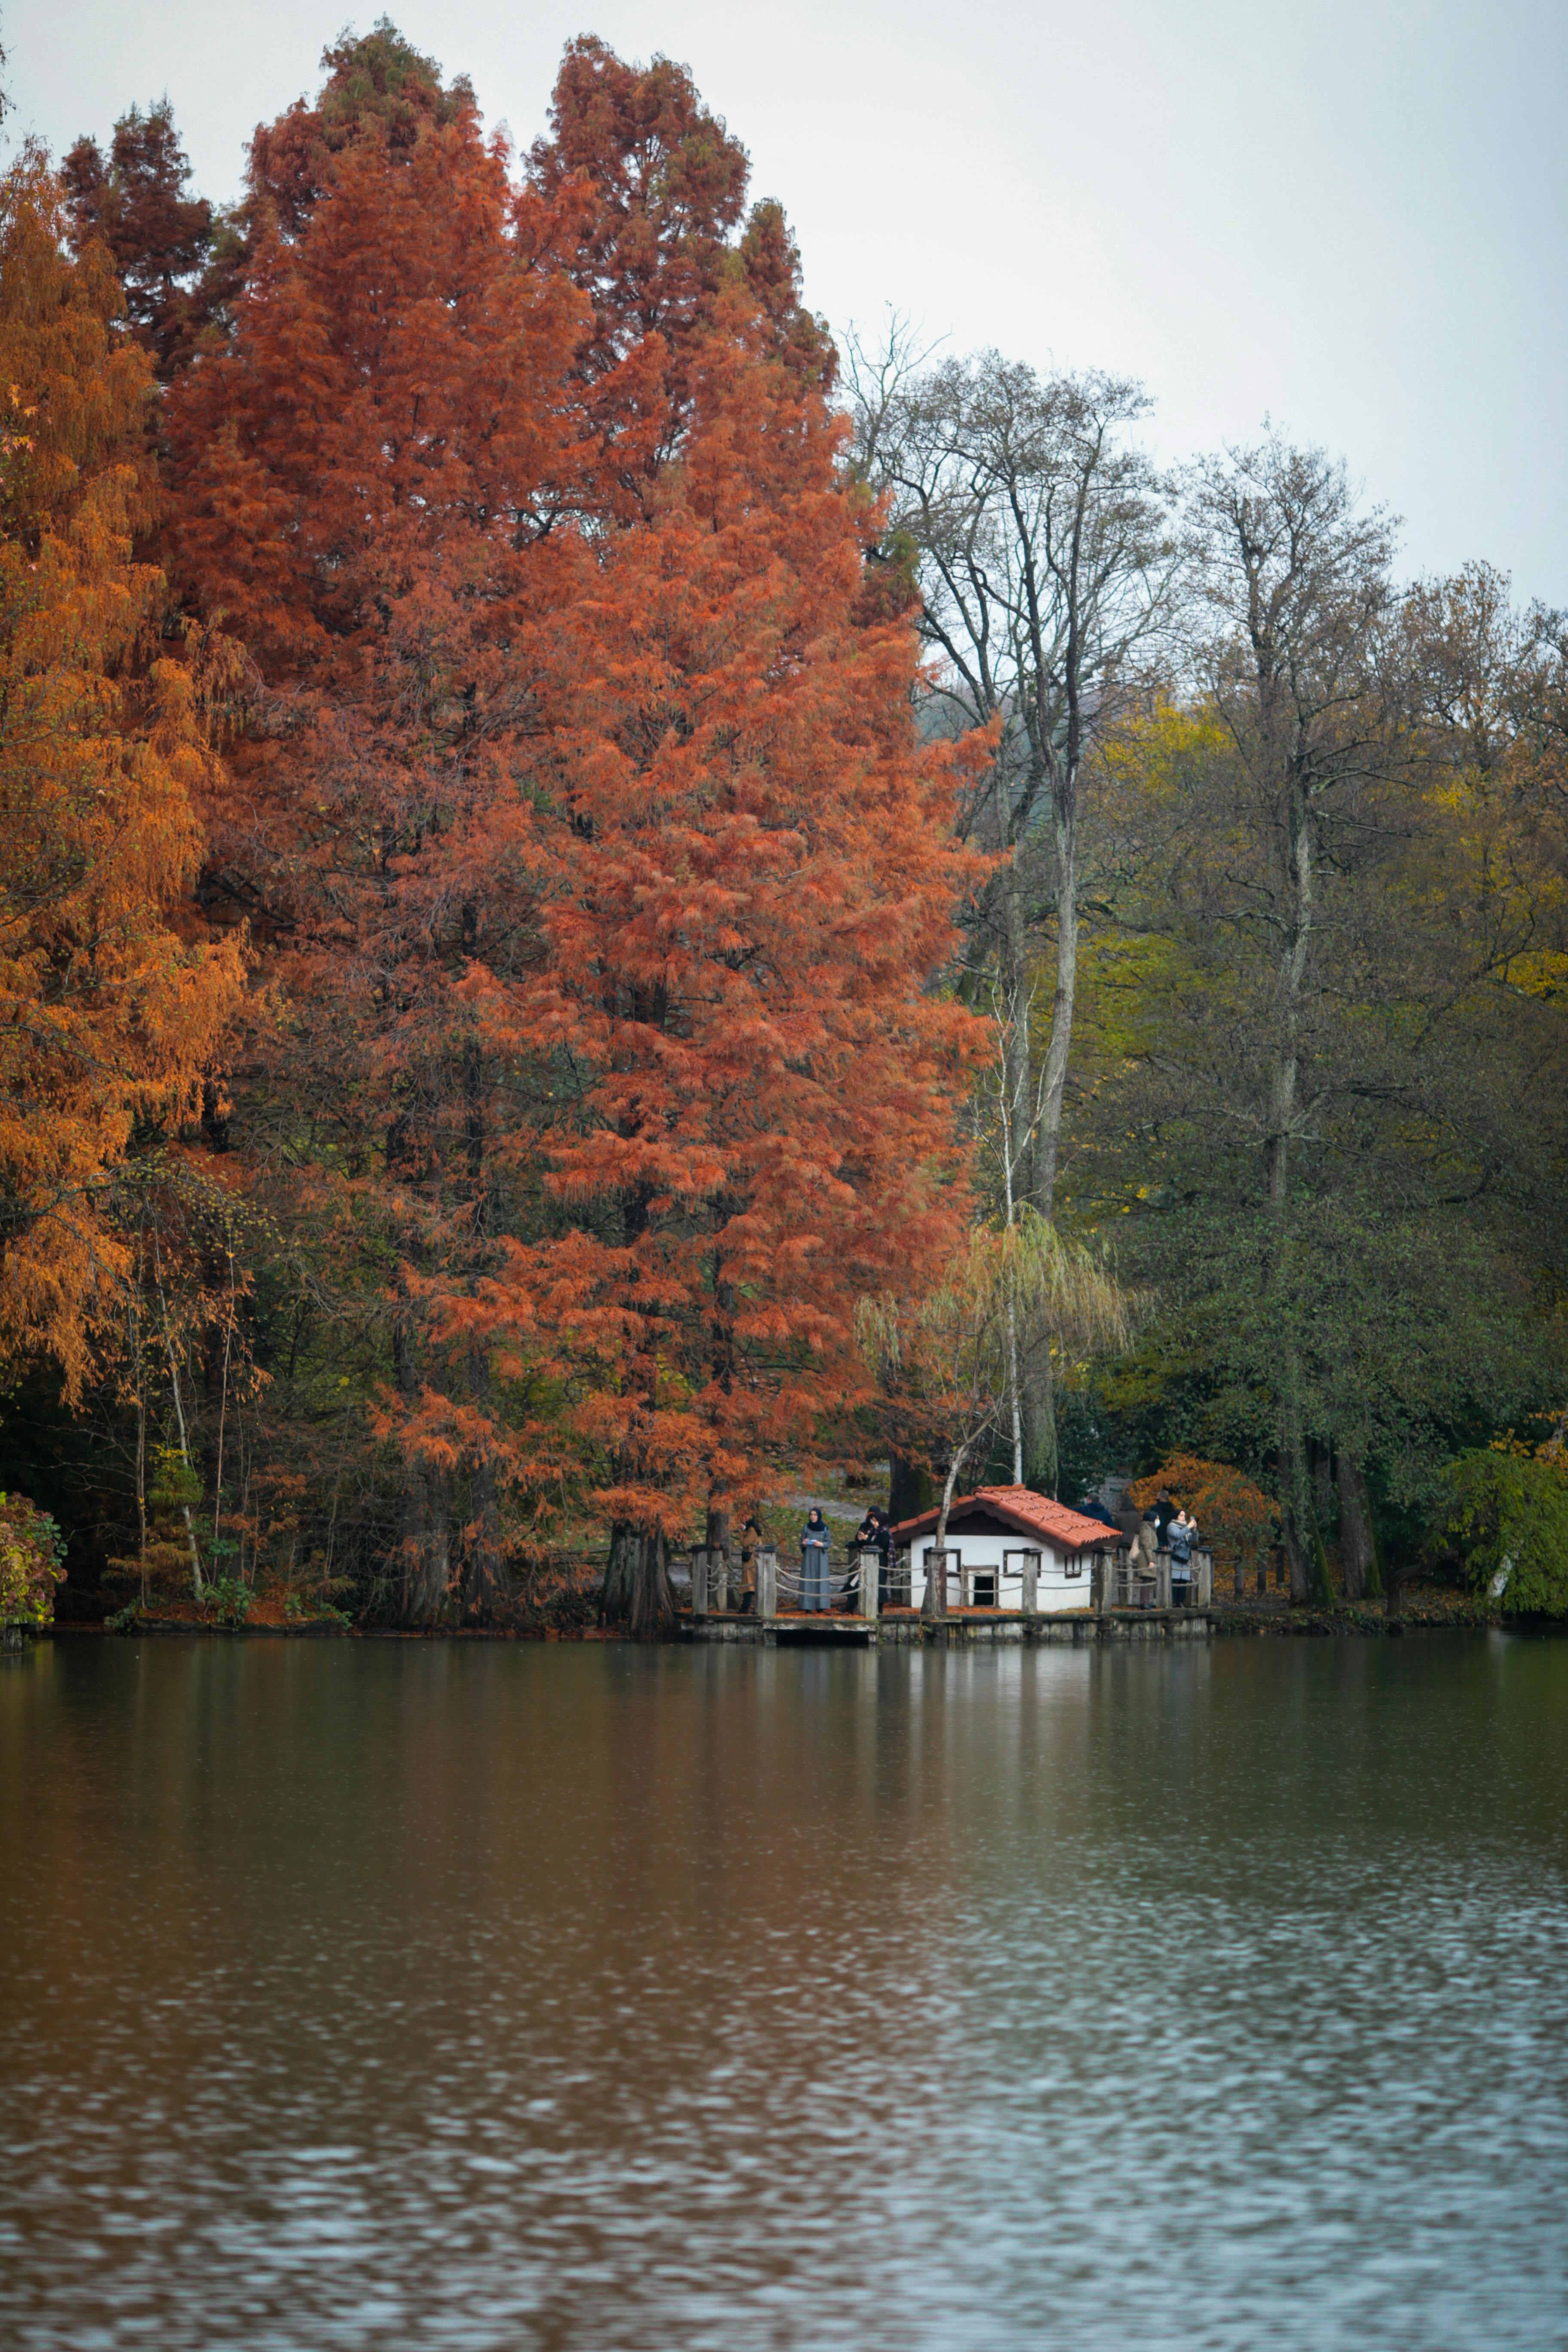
1349,214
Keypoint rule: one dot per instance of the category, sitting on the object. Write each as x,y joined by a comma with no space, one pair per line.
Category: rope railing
1122,1580
717,1585
1132,1584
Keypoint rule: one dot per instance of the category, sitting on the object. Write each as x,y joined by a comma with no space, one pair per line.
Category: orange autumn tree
744,886
580,822
746,876
1233,1514
376,479
109,1018
645,192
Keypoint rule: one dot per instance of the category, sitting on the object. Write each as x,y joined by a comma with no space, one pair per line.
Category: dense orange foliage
579,814
108,1016
1234,1516
746,869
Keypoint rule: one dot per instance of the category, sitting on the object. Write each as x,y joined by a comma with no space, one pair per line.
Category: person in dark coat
875,1533
1165,1512
815,1543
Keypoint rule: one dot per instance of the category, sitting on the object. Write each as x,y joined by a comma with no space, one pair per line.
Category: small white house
1008,1547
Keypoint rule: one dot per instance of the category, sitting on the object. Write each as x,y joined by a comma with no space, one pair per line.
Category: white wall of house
1065,1582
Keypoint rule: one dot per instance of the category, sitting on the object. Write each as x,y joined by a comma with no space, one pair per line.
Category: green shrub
231,1598
1509,1515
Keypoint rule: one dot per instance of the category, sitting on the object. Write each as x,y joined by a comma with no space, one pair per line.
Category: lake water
420,1994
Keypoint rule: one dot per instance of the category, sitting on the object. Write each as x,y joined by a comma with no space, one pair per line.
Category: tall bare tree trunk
1048,1148
1298,1526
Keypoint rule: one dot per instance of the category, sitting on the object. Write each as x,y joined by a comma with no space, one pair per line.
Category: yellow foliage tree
107,1015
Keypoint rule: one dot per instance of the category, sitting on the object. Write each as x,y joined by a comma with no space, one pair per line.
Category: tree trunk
428,1545
484,1571
1049,1147
197,1586
653,1604
934,1603
1297,1555
1355,1525
618,1593
909,1488
426,1519
1019,1138
1019,1135
1015,1397
1042,1461
1298,1527
484,1575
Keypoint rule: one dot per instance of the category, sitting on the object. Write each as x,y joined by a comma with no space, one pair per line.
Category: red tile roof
1030,1512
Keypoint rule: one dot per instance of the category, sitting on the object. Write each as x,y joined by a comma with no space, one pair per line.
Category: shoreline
1224,1623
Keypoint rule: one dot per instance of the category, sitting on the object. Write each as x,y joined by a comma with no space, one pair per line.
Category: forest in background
604,905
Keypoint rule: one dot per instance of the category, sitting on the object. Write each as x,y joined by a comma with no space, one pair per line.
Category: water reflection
393,1995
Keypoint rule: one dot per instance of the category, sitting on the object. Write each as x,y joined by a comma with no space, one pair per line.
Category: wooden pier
960,1629
1120,1610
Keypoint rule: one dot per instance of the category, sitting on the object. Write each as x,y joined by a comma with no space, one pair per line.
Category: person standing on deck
751,1536
1182,1536
1145,1544
813,1542
885,1550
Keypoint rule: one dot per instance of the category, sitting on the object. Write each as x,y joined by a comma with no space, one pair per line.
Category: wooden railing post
1205,1579
767,1580
1162,1580
700,1584
1031,1583
870,1596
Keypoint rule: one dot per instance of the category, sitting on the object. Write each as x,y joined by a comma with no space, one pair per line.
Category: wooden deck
960,1629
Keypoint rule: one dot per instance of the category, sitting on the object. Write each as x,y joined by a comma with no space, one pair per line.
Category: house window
983,1592
1073,1564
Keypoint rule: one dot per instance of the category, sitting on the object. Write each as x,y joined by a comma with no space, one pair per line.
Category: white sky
1351,214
